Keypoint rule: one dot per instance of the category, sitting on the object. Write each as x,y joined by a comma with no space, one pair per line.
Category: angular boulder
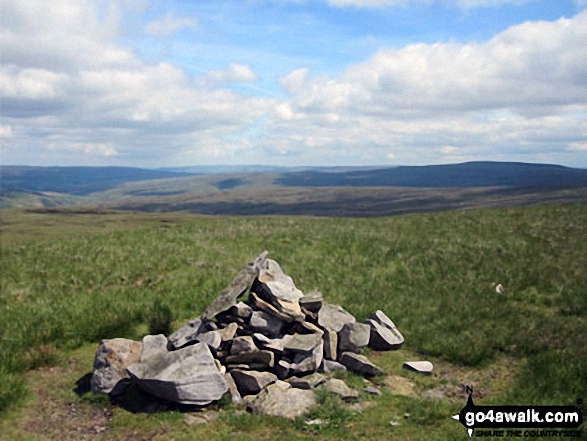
332,366
273,284
280,399
380,337
265,359
359,364
110,363
353,337
312,301
252,382
330,339
334,317
186,376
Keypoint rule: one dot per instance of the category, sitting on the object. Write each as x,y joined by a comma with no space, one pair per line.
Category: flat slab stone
285,314
359,364
237,287
265,358
186,376
280,399
303,342
382,338
396,341
353,337
252,382
110,363
305,362
422,367
334,317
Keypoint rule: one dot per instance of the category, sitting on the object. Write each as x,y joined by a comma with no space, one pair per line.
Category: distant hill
466,175
75,180
240,169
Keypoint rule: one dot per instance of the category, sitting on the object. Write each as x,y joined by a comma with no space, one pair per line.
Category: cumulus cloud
66,86
524,92
169,25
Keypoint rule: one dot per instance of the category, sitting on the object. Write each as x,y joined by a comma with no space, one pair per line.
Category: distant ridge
75,180
468,174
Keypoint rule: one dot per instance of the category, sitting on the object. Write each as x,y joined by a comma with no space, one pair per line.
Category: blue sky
314,82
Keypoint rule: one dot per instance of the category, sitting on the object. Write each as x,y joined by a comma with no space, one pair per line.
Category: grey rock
276,345
353,337
187,334
252,382
380,317
332,366
304,327
153,344
273,284
307,382
264,358
234,393
266,323
186,376
359,364
211,338
372,390
110,364
422,367
312,301
247,367
330,344
280,399
334,317
242,344
382,338
340,388
305,362
287,314
303,342
239,286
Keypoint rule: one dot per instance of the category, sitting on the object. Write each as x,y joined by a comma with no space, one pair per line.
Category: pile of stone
261,340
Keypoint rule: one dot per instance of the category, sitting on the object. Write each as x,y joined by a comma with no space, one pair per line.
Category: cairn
261,340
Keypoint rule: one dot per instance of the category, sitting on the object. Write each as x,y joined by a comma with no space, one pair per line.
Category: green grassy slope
70,280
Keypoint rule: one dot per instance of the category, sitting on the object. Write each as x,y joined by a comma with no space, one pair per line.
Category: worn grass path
69,280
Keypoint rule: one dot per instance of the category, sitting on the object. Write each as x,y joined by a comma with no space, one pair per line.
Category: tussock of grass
74,279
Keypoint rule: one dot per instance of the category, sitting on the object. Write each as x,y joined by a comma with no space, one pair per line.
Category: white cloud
5,131
405,3
169,25
582,146
235,73
521,94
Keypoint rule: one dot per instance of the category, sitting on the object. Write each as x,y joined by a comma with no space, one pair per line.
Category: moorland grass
72,279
